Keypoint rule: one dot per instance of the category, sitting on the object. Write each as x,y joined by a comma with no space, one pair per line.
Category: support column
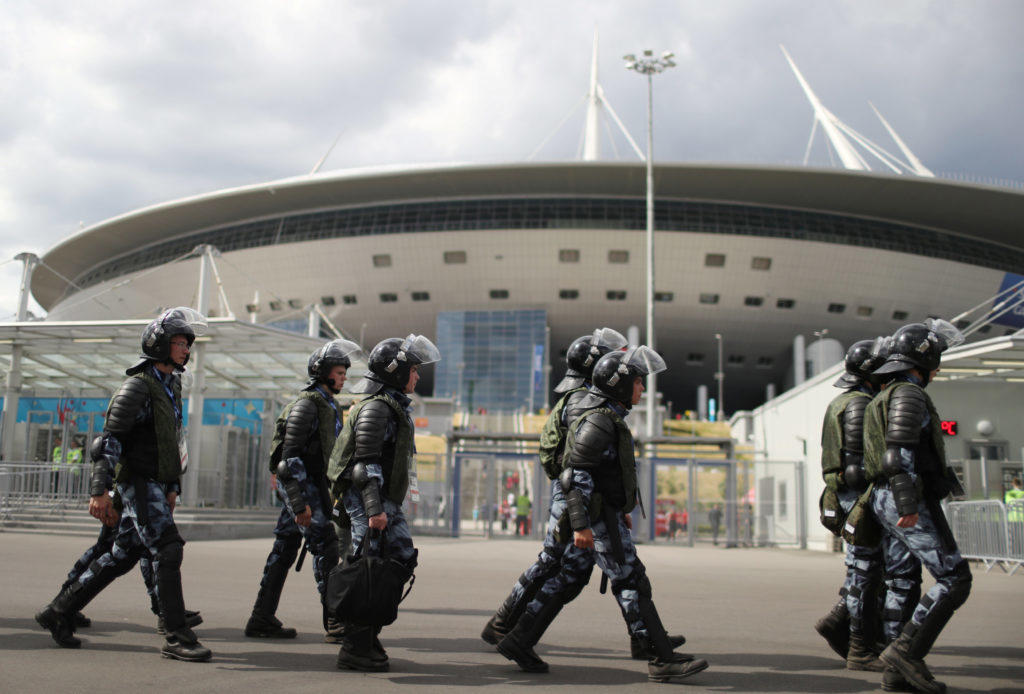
190,482
12,389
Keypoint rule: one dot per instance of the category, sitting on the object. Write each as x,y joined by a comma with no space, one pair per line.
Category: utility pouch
861,527
832,515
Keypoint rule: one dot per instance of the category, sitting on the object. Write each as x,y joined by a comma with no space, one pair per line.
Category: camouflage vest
627,460
164,434
325,415
552,437
875,421
832,437
405,452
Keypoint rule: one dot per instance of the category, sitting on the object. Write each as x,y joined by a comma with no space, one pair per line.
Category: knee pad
960,586
169,556
289,548
637,580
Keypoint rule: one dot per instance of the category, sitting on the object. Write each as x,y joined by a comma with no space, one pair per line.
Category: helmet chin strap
329,382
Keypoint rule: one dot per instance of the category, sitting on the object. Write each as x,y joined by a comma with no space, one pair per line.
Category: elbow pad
291,487
853,473
576,505
565,480
369,489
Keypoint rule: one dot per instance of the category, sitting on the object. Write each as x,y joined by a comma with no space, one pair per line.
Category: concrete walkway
749,612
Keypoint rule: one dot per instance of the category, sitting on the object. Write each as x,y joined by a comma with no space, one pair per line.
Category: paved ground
748,611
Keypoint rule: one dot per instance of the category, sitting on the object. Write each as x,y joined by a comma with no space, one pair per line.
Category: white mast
591,132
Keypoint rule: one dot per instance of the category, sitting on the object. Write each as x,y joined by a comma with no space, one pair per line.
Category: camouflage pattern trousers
138,534
929,544
320,536
104,544
628,577
396,536
548,561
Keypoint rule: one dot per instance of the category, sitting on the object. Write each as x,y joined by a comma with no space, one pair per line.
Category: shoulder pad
594,434
369,429
907,412
853,425
574,405
301,421
126,403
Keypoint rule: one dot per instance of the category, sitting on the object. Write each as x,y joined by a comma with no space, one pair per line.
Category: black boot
182,644
861,655
58,623
835,628
358,651
81,621
503,620
192,619
518,644
893,681
638,650
58,616
666,664
898,656
262,623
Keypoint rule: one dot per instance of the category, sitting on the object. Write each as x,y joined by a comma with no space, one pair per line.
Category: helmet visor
420,350
339,349
644,359
949,335
184,316
606,337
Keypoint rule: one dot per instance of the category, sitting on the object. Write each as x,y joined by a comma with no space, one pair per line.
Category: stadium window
454,257
252,308
714,260
327,300
275,305
421,296
709,298
616,295
382,260
694,358
349,299
864,311
618,256
499,293
735,360
664,296
295,303
765,362
388,298
569,255
568,294
899,315
753,301
761,264
785,303
984,330
836,308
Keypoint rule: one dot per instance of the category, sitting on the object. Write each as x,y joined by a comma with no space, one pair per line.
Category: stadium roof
974,211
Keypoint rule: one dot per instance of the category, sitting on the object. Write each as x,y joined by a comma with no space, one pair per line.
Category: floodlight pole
648,65
12,391
190,481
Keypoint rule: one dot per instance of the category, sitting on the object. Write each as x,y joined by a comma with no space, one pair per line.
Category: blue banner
1015,317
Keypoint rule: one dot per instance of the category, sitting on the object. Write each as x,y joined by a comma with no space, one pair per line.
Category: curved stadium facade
756,254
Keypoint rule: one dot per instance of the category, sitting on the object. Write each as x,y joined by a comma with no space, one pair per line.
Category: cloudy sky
108,107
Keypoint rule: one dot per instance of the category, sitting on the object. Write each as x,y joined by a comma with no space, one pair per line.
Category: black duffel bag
366,589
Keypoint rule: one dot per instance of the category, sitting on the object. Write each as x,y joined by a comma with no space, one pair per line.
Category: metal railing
56,486
989,531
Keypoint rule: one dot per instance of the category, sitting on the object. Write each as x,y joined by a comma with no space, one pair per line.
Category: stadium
758,255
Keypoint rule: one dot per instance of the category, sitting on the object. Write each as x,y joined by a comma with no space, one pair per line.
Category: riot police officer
370,471
304,437
141,452
581,357
599,481
905,464
852,627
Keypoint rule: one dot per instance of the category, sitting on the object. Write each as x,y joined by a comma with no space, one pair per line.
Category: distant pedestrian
715,516
523,506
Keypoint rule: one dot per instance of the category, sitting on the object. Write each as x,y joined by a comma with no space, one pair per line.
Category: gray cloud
112,108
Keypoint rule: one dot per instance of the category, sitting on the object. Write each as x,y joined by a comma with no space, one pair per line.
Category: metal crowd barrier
990,531
46,486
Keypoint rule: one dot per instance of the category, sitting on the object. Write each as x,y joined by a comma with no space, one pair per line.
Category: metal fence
990,531
47,485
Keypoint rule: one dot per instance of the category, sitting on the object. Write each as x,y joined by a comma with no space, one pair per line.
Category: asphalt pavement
749,612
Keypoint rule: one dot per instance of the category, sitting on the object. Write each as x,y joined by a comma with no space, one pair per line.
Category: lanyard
170,394
337,416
